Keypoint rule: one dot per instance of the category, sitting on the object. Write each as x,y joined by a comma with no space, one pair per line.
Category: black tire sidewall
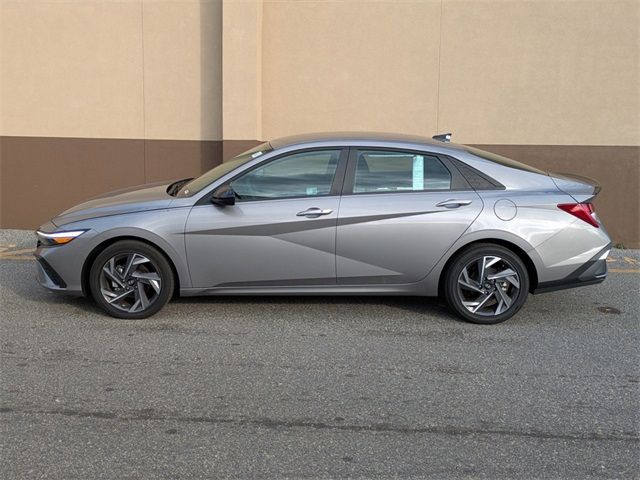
454,270
132,246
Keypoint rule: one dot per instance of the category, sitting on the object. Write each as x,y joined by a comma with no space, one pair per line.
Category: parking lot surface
318,387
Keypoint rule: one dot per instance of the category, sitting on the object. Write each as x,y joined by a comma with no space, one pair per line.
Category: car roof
346,138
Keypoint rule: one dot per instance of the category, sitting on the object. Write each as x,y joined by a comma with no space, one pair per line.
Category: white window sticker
418,172
312,190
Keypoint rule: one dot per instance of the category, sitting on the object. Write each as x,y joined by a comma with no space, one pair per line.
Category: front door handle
453,203
314,212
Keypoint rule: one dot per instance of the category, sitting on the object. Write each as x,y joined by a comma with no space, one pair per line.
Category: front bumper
48,276
59,268
592,272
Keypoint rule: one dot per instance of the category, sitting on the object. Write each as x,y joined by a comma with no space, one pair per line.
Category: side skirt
366,290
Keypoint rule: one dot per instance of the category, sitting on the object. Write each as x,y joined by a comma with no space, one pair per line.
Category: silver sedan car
335,214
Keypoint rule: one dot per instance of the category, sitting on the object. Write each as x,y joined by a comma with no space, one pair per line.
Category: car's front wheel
486,284
130,279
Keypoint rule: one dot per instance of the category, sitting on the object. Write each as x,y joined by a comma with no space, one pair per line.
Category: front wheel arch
88,262
526,259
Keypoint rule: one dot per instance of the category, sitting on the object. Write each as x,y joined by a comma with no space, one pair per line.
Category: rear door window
383,171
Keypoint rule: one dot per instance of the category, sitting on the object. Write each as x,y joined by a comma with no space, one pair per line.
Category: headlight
57,238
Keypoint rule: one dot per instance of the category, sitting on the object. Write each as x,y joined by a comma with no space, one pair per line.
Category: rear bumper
592,272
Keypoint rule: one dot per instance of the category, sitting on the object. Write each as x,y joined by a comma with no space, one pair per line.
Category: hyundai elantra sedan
335,214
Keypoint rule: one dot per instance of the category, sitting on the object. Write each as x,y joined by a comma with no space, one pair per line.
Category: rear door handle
453,203
314,212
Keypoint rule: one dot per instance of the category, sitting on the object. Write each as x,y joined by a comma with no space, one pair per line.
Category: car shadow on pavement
17,279
431,307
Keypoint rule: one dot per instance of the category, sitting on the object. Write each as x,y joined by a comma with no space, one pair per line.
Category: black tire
156,264
454,294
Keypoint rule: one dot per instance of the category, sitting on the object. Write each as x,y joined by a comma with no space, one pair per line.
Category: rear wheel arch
526,259
88,262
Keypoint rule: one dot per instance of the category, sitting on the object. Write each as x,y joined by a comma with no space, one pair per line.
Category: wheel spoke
513,280
113,297
111,272
491,261
481,263
507,272
132,260
134,307
152,279
468,283
504,303
142,295
476,305
481,301
468,286
487,262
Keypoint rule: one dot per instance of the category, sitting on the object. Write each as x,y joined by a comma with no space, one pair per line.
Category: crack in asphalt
152,415
440,370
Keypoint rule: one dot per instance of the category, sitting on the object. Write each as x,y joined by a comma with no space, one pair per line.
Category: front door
399,214
281,230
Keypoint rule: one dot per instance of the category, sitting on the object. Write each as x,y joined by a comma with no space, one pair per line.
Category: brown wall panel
174,159
231,148
616,168
42,176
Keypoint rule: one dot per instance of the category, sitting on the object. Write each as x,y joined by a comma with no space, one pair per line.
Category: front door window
302,174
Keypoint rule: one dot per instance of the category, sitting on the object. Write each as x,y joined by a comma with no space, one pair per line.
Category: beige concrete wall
111,69
350,66
541,72
494,71
242,69
183,69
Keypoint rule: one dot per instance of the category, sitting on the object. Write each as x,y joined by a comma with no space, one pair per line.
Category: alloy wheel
130,282
488,285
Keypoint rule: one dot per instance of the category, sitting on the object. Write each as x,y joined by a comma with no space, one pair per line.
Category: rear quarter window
499,159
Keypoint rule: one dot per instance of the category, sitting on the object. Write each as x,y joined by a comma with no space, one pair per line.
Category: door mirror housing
223,196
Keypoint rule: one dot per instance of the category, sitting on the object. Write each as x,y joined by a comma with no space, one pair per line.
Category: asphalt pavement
318,387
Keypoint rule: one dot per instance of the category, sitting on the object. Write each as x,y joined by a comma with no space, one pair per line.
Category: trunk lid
581,188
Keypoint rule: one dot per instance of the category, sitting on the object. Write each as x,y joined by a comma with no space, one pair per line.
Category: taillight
584,211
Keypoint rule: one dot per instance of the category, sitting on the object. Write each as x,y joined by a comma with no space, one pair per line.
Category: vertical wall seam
144,100
259,63
439,70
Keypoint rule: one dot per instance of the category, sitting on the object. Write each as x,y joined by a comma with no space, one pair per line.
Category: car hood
128,200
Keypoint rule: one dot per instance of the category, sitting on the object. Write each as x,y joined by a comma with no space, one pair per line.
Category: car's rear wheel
486,284
130,279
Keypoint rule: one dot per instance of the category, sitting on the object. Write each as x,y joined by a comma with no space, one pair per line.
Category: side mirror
224,196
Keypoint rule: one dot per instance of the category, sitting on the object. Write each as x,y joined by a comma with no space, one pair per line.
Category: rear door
400,212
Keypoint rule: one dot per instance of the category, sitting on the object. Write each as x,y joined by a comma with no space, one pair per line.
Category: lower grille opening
51,273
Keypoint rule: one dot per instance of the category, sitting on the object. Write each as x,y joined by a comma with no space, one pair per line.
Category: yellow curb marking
17,252
16,257
632,261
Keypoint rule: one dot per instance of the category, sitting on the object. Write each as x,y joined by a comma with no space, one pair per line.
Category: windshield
197,184
507,162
